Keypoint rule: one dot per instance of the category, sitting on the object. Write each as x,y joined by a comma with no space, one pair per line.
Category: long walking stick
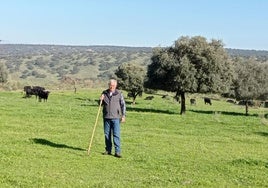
88,151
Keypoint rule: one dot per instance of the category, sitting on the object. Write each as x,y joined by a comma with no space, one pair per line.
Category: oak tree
191,65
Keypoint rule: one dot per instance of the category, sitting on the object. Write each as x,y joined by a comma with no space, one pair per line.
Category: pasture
45,144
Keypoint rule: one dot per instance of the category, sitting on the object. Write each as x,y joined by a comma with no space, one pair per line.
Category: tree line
195,65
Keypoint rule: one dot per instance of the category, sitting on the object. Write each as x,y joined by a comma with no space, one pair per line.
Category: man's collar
114,93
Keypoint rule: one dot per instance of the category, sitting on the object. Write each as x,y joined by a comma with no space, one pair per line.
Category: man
114,111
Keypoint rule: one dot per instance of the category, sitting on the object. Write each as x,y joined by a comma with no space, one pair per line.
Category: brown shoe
118,155
106,153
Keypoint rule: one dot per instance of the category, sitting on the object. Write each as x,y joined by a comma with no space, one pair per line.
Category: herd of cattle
207,100
42,93
241,102
38,91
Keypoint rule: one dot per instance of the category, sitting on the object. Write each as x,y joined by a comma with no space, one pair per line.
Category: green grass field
45,144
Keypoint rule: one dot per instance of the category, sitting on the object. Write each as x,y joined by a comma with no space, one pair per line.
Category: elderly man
114,111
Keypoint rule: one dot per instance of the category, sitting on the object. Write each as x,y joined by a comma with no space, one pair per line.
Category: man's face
112,86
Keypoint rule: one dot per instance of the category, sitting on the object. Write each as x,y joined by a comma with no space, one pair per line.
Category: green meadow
44,144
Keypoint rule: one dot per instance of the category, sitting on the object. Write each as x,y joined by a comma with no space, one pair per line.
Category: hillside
59,65
54,64
260,55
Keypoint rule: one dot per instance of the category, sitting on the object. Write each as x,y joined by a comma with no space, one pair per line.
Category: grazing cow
207,100
37,89
193,101
29,90
43,94
266,104
165,96
149,98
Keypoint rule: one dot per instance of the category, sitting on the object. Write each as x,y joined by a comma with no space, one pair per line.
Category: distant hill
54,64
261,55
60,65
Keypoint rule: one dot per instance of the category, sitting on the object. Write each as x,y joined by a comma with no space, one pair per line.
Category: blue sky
241,24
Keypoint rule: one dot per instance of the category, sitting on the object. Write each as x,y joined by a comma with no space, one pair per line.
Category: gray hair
112,81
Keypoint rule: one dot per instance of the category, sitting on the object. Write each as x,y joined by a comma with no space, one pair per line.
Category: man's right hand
102,97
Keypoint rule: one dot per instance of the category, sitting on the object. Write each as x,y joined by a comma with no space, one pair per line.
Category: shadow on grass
222,112
262,133
52,144
96,102
135,109
130,103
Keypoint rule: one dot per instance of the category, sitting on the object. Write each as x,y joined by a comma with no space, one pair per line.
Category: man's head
112,85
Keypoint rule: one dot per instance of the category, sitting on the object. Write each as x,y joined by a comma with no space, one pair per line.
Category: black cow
193,101
165,96
266,104
43,94
149,98
207,100
29,90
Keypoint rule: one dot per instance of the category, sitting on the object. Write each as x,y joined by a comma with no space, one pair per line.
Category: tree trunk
246,107
134,99
183,106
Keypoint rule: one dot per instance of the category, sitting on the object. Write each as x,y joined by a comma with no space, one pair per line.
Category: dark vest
111,105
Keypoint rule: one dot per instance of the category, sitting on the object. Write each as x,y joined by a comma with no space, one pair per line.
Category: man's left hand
123,119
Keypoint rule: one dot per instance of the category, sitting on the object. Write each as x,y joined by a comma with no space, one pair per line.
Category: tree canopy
130,77
251,80
190,65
